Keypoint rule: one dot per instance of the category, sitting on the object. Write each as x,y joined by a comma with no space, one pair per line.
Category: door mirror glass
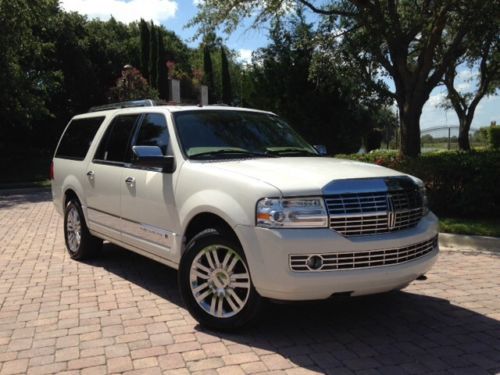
152,157
321,149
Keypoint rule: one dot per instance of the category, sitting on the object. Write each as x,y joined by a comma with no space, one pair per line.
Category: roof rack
128,104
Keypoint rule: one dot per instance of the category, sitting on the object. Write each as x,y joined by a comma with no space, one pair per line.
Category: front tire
215,282
79,242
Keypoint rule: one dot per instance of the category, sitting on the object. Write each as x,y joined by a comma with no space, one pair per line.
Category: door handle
130,181
91,174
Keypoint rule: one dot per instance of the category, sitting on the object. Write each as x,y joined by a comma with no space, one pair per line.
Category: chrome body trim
131,229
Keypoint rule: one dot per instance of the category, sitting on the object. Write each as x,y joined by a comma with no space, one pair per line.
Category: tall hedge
459,184
494,137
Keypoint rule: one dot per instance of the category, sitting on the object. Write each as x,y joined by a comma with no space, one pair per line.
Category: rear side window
114,144
153,132
77,138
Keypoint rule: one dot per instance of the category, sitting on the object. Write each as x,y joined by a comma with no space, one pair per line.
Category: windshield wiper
244,153
292,151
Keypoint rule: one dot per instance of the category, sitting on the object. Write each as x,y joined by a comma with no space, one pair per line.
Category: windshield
219,134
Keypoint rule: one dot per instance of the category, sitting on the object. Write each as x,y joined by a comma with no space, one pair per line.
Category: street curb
460,242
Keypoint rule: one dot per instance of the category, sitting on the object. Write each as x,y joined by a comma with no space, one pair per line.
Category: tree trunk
409,116
463,133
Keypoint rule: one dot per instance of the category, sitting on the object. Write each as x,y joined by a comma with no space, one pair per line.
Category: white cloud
245,55
436,100
124,11
198,2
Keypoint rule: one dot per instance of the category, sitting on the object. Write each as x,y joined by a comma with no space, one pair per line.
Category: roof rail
128,104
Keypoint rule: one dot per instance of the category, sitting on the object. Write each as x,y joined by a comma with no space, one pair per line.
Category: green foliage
459,184
478,227
324,106
227,96
494,137
153,55
162,69
209,73
145,41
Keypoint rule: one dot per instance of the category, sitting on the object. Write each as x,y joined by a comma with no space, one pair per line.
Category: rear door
147,205
104,176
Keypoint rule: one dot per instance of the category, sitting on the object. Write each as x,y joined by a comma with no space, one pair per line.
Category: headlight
292,213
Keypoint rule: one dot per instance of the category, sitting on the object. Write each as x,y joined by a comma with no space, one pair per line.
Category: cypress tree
162,68
227,97
209,73
153,56
144,30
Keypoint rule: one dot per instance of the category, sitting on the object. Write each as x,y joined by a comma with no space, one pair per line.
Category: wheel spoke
227,258
201,267
232,303
201,275
216,257
212,304
208,255
239,276
202,296
219,308
238,303
199,288
231,265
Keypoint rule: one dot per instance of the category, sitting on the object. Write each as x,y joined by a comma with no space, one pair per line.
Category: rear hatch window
77,138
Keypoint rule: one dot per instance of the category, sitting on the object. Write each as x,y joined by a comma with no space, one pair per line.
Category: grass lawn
480,227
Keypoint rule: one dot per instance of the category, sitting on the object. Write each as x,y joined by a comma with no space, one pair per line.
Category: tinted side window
77,138
114,144
153,132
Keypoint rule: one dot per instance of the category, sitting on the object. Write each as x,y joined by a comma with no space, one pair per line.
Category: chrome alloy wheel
73,229
220,281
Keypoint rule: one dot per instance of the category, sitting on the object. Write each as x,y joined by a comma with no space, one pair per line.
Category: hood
303,175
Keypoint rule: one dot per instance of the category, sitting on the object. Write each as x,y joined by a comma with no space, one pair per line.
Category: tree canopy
413,42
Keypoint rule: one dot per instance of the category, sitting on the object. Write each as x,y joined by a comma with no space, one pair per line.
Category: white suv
240,204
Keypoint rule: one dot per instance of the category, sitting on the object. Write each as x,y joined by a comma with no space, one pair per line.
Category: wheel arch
207,220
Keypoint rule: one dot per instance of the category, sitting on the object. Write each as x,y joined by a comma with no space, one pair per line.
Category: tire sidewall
210,238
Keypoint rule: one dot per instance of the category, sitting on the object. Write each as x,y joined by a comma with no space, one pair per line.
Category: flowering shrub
458,183
132,86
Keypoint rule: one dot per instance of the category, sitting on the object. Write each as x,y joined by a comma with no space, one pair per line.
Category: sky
174,14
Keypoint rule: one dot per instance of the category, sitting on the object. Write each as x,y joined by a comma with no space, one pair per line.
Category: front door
147,203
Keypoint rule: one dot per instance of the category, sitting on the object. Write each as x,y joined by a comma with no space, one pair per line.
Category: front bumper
267,252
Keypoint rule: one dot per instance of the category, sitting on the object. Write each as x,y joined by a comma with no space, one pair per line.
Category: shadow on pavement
397,333
9,200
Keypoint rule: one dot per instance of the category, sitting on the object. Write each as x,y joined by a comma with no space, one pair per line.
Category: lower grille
361,259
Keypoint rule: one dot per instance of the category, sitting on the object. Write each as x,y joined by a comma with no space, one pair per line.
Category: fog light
314,262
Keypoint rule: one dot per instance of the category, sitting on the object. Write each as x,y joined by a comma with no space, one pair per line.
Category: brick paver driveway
122,313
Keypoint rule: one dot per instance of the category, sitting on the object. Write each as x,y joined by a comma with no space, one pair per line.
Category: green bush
459,184
494,137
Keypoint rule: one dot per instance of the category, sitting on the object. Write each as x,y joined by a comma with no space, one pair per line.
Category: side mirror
152,157
321,149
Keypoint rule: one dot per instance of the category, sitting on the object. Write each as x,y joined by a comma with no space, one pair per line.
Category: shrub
494,137
458,184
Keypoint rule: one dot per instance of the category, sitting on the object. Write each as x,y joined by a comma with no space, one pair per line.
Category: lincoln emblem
391,213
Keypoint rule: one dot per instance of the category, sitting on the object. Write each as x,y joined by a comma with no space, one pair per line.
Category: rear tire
215,282
79,242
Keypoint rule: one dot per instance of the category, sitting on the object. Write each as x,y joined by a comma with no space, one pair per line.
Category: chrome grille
375,212
362,259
